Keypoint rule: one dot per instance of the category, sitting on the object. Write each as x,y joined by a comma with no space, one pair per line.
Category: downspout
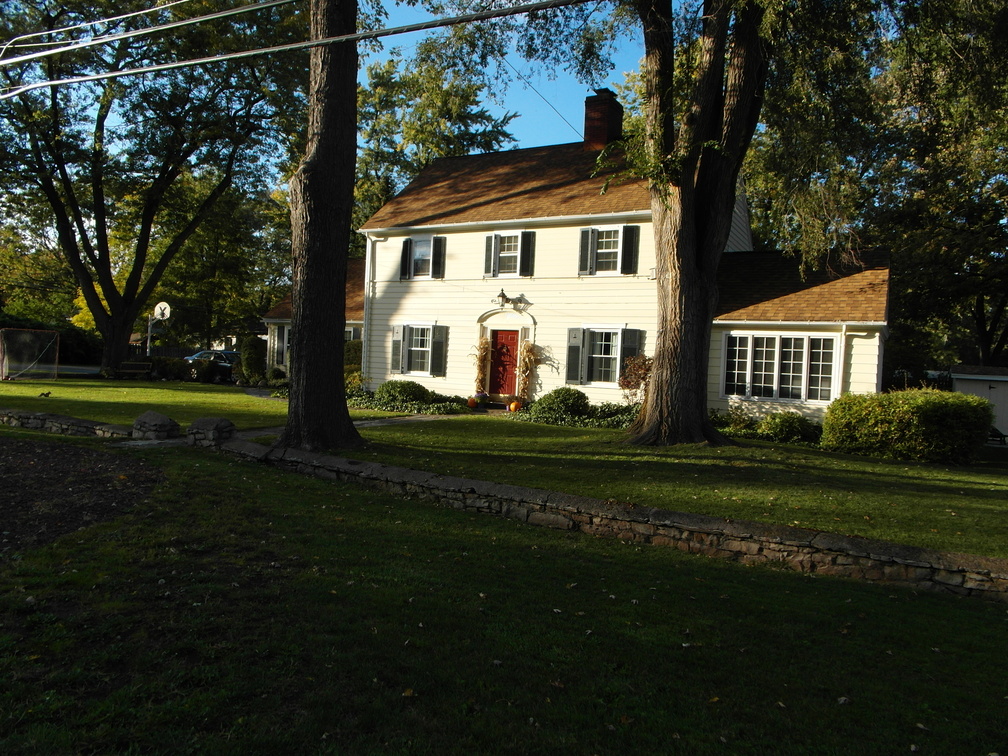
843,360
369,292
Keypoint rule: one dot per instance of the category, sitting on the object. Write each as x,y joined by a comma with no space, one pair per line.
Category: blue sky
550,111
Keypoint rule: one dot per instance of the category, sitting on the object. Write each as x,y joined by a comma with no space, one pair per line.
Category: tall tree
321,207
108,157
411,112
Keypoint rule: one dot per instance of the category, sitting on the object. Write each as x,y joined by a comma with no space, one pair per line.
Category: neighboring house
278,319
990,383
523,253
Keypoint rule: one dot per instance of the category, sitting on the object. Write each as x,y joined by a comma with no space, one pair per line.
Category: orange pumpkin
515,406
472,402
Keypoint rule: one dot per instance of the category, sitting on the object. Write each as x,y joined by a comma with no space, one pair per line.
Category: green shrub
253,359
169,369
735,422
275,374
353,351
921,424
402,391
788,428
353,380
564,402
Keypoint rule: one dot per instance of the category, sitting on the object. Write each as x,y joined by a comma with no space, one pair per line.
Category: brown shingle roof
354,295
539,182
766,286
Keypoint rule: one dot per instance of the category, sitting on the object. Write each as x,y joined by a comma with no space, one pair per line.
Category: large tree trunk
675,408
321,202
694,163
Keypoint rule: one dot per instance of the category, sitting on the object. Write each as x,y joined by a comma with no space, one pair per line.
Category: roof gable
768,287
539,182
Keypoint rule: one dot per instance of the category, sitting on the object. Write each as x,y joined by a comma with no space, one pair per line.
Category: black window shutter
526,262
631,248
439,350
492,252
631,343
396,363
586,257
575,339
406,261
438,257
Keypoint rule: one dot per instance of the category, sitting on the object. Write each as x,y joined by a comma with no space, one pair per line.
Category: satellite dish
162,311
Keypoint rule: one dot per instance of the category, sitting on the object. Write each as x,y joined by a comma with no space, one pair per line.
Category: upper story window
609,250
422,257
597,354
766,366
510,254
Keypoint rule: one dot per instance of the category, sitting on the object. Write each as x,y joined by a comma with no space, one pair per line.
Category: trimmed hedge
920,424
253,360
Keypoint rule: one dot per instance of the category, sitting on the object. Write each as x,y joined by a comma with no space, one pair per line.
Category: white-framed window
282,344
777,366
422,257
612,249
419,349
510,254
597,354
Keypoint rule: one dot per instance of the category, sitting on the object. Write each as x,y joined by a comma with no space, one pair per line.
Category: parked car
221,363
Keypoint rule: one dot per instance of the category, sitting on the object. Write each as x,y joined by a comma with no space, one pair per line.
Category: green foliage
402,391
353,351
921,424
253,359
560,405
275,374
170,369
788,428
402,396
735,422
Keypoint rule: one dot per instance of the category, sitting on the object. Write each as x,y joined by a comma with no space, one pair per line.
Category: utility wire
95,41
373,34
14,40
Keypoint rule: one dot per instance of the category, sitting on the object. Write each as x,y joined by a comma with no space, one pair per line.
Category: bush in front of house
921,424
402,391
788,428
402,396
561,404
253,360
735,422
353,353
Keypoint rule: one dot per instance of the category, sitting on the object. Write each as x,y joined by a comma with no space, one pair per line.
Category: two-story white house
521,252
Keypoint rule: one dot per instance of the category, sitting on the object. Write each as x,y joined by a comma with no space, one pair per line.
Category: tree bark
321,203
695,163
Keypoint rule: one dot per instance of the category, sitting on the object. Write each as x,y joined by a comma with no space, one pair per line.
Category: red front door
503,361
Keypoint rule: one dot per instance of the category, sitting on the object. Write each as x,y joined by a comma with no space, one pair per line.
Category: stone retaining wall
67,426
746,542
804,550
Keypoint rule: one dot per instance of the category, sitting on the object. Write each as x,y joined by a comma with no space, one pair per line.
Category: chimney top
603,119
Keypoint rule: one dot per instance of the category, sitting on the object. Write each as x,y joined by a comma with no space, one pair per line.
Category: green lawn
242,610
121,402
962,509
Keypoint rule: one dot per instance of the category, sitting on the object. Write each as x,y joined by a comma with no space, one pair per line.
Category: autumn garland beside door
527,360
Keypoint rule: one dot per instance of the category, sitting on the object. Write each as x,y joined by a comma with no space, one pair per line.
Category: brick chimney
603,120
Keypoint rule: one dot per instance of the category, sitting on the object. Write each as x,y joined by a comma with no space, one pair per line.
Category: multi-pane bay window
598,354
510,254
609,250
766,366
419,349
422,257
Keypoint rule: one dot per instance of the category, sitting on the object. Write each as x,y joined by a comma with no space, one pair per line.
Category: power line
12,42
95,41
356,37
